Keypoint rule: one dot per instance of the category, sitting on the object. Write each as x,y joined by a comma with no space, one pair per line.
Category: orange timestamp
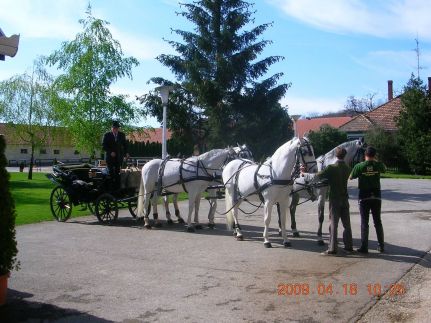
346,289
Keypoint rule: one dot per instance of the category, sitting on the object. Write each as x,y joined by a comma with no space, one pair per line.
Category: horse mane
331,153
285,145
209,154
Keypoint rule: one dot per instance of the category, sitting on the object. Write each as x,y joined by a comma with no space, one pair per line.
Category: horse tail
229,209
141,198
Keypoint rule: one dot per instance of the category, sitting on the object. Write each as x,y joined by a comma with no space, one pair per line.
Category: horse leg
177,209
147,207
321,216
190,227
292,209
198,226
232,214
213,206
284,208
267,209
157,222
279,219
236,227
168,214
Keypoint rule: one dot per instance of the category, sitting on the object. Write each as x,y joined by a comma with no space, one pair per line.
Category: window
76,152
24,151
56,152
42,151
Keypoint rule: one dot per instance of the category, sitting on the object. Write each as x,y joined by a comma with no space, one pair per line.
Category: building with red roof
304,126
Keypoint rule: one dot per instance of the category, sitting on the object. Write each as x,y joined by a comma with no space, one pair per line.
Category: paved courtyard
83,271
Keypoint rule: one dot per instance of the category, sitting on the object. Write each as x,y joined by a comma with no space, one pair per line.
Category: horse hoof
211,225
320,242
198,227
267,244
190,229
147,226
181,220
239,238
287,244
296,234
158,225
170,222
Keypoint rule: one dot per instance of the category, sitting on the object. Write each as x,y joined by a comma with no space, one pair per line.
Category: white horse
304,187
191,175
241,151
271,182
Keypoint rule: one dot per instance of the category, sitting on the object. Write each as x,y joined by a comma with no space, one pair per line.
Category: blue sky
333,49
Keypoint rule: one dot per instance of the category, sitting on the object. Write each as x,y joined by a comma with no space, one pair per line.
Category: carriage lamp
164,95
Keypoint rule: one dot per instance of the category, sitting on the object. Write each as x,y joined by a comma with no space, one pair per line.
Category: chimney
429,85
390,90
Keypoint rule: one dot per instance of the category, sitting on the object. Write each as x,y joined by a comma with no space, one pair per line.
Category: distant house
304,126
383,117
59,147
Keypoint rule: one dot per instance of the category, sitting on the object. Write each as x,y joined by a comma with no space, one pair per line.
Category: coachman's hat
115,124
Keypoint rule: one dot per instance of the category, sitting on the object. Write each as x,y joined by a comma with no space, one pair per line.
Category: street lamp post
164,95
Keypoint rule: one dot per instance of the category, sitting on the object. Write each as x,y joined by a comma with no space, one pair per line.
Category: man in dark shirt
337,175
115,145
368,174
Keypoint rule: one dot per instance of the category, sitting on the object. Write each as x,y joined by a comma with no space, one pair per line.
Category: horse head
242,151
305,155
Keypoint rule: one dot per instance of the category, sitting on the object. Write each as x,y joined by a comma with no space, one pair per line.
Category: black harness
299,157
201,173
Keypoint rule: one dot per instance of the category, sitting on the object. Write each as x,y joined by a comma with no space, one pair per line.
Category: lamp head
164,92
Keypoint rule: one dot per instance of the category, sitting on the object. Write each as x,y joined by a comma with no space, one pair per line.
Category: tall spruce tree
414,124
218,65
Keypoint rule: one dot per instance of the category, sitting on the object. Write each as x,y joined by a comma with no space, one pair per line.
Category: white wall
13,152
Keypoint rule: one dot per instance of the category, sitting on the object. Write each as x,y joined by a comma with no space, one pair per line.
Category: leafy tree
217,66
414,124
27,109
91,62
388,147
326,139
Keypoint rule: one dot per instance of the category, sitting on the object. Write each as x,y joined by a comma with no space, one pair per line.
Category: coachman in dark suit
115,145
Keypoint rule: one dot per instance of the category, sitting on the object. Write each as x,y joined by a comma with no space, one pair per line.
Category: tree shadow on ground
19,309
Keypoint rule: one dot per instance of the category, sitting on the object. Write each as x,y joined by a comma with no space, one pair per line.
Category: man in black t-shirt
368,174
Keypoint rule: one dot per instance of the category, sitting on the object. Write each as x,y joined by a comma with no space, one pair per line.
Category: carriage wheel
61,205
133,207
106,208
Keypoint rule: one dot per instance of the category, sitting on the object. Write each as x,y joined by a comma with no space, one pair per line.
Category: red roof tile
382,116
149,134
303,126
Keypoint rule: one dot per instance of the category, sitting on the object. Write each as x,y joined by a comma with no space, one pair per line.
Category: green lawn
401,176
32,198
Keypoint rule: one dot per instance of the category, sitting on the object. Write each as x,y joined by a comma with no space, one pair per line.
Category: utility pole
418,54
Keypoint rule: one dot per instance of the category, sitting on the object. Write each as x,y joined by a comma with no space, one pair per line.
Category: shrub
8,248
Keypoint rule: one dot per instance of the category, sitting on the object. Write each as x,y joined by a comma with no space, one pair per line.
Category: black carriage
92,187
